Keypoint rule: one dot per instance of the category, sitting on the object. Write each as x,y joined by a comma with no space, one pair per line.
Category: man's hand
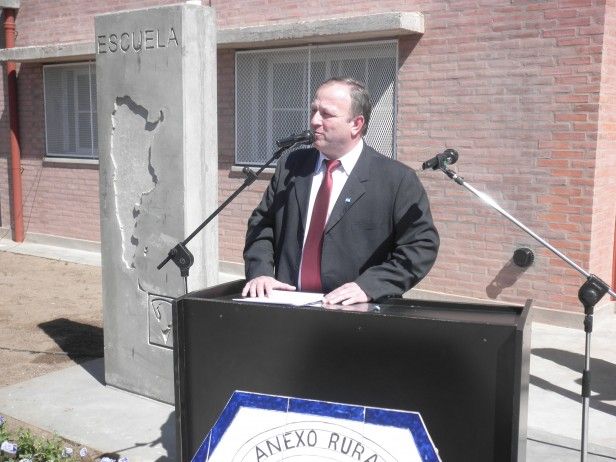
263,286
346,294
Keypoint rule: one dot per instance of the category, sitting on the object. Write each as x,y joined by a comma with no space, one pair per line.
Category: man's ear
357,125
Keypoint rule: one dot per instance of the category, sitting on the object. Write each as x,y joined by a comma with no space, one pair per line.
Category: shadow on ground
603,377
167,440
78,341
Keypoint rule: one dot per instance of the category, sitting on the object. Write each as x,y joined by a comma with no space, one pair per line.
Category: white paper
286,297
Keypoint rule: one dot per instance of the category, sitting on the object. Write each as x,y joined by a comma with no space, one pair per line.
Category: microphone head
451,156
305,137
447,157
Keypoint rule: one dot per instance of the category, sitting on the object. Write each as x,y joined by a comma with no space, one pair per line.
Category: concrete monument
157,138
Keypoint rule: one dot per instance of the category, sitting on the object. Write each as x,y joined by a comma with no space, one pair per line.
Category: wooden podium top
467,312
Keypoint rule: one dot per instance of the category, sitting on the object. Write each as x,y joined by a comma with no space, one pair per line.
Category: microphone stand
180,255
589,294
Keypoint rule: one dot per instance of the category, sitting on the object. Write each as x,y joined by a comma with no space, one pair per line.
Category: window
274,89
70,110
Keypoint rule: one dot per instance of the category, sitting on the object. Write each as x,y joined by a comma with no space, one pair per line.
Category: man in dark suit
340,219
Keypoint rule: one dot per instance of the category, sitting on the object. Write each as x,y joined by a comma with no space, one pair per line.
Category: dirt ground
50,316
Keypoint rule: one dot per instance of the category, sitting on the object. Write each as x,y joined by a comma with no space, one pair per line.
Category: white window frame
80,152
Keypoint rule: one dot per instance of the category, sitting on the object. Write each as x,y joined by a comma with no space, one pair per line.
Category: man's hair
360,98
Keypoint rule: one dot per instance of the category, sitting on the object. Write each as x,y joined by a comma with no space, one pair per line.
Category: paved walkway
75,403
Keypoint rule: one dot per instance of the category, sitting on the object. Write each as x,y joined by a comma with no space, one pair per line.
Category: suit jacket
380,232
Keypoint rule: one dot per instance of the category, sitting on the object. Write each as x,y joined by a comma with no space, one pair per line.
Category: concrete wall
158,182
523,90
9,3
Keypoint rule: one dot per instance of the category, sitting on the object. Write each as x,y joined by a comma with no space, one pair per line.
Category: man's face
336,131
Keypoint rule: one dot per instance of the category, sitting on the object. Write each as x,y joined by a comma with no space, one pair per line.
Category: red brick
559,33
560,13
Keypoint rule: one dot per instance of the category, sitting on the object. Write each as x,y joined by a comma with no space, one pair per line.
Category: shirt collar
348,160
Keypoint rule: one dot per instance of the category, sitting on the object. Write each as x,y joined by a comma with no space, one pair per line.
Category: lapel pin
347,200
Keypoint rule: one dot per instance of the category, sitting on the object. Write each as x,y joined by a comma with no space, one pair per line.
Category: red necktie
311,257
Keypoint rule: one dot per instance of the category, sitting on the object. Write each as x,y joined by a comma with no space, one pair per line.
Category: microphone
305,137
447,157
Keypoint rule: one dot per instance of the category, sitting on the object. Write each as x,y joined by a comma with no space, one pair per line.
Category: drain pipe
16,189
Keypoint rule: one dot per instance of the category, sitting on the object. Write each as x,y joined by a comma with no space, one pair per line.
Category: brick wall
61,200
5,219
515,88
232,221
604,205
523,90
58,199
31,111
42,22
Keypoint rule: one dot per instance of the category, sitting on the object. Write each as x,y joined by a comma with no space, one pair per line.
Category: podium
463,366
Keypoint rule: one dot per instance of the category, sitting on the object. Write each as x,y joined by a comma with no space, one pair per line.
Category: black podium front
463,367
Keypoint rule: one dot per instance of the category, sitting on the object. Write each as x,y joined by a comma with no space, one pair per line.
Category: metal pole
586,397
16,187
590,293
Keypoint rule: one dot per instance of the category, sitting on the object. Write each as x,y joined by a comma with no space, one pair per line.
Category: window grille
70,110
274,89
